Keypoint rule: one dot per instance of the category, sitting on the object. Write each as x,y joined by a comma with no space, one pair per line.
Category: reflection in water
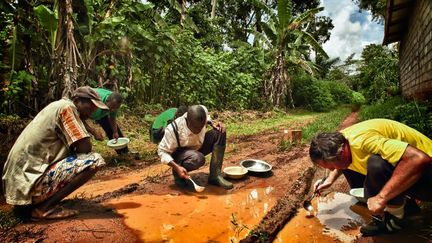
335,213
189,218
334,221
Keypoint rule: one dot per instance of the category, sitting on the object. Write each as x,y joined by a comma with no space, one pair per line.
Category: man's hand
219,126
321,185
98,136
376,204
115,135
182,172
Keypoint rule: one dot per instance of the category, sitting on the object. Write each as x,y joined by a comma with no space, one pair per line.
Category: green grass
259,125
326,122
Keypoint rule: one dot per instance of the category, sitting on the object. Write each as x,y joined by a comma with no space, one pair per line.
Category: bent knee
376,164
194,160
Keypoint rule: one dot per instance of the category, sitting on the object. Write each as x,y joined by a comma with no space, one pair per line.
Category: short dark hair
196,114
116,97
180,111
326,146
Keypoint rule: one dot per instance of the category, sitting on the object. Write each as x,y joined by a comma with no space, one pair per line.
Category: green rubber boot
215,176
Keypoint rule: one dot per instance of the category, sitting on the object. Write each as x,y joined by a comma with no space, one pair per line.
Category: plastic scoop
197,187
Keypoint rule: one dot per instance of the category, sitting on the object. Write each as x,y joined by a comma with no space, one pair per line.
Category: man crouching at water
52,156
186,142
389,159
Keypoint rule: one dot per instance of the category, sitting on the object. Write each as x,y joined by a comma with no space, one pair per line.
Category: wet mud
282,212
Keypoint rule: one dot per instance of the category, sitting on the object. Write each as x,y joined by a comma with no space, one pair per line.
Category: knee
194,160
376,165
198,158
98,161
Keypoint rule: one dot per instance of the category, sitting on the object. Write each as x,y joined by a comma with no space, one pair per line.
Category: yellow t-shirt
386,138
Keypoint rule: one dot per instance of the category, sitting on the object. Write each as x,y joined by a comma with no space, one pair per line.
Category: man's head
196,118
87,101
325,150
180,111
114,101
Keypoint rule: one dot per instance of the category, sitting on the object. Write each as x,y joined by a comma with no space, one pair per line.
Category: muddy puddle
337,218
209,216
112,183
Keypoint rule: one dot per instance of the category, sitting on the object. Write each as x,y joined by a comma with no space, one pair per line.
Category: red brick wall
415,64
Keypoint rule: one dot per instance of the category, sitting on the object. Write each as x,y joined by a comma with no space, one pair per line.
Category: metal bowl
256,165
121,143
235,172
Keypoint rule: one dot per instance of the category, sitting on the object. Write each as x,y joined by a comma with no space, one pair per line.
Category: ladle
197,187
307,204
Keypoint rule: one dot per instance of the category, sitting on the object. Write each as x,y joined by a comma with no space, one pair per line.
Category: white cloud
352,31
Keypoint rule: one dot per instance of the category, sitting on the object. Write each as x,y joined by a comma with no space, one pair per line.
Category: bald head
196,118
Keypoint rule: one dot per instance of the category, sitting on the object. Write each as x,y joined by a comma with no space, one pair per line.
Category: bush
357,100
312,94
340,92
417,115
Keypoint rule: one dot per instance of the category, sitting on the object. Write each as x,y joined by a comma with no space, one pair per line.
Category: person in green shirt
157,128
107,119
391,160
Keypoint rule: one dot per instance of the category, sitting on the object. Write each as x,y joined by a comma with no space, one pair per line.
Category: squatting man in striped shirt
52,156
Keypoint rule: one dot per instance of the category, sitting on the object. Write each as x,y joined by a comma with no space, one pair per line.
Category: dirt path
98,223
154,209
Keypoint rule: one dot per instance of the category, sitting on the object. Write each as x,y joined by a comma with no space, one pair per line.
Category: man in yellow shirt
390,160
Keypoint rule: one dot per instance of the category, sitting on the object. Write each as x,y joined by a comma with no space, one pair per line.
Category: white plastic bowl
235,172
358,193
121,143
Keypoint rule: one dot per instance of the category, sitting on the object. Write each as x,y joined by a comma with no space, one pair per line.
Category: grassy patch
326,122
277,119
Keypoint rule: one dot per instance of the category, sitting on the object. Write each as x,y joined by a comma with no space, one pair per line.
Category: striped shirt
44,141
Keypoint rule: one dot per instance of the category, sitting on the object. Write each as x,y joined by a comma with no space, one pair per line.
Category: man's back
41,143
385,137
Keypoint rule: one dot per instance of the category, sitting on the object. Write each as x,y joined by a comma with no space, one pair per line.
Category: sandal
54,213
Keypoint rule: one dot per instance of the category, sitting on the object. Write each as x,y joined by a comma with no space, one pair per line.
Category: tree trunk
65,67
275,88
183,11
213,11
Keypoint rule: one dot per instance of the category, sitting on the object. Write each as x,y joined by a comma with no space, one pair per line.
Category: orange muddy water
334,220
209,216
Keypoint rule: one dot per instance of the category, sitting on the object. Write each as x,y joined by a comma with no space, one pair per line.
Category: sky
352,31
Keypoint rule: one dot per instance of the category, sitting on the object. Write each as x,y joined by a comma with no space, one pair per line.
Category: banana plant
288,37
49,20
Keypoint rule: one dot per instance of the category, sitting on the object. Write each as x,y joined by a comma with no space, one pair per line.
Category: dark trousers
106,126
192,159
156,135
379,171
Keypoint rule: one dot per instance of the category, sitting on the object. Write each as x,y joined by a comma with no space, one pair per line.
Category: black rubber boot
390,224
215,176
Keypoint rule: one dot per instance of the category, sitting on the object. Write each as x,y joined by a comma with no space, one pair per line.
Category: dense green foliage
377,8
154,52
417,115
378,76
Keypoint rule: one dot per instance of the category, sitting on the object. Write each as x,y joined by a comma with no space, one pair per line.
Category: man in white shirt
186,142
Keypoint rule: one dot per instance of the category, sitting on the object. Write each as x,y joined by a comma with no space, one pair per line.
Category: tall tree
377,8
63,76
291,42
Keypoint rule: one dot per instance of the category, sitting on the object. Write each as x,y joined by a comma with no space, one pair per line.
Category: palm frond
284,12
270,31
311,41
